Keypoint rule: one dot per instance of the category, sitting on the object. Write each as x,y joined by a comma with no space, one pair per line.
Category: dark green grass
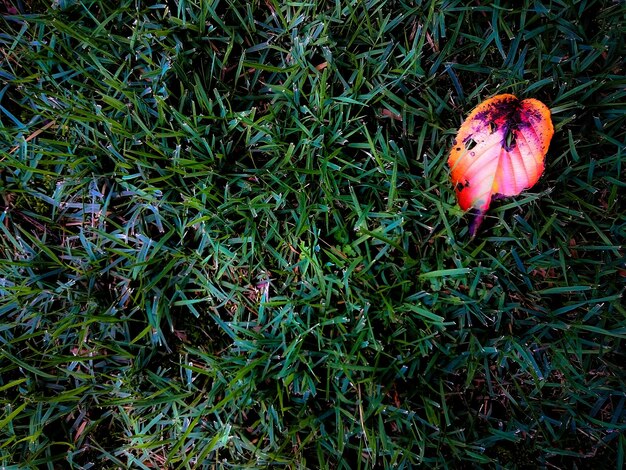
229,237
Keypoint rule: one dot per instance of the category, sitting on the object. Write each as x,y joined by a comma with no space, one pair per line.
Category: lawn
229,237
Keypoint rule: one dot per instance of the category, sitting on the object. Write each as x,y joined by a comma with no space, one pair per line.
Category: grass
229,239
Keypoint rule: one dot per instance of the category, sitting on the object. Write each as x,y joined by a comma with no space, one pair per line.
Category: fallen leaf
499,151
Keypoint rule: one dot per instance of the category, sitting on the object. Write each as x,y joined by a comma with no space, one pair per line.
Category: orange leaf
499,151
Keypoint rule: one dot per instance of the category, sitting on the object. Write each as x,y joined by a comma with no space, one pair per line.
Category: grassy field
229,237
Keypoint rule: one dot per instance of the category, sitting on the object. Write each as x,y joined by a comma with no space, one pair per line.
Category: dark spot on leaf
483,115
502,112
470,144
529,115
